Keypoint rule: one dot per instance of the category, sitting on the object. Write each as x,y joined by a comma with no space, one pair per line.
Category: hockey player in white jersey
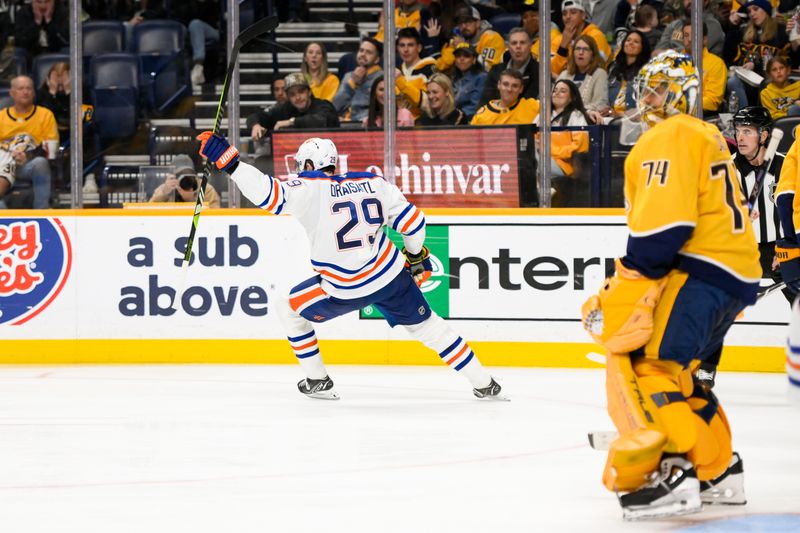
356,262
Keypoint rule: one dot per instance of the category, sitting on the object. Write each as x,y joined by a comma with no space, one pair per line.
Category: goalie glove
419,265
218,151
788,255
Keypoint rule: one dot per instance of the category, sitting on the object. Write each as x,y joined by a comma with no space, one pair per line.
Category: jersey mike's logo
35,261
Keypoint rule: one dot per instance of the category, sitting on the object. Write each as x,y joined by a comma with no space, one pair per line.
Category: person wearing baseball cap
472,30
182,184
302,110
576,24
530,21
468,80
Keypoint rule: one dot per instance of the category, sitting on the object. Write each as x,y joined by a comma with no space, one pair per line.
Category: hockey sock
453,350
306,350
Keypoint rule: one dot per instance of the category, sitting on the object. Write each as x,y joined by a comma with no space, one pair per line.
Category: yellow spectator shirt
494,113
327,89
777,100
40,123
490,46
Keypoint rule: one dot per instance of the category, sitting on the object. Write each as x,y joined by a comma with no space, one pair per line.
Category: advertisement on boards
475,167
506,278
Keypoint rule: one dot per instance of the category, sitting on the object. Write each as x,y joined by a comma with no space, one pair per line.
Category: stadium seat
103,36
42,65
165,142
503,23
165,65
115,94
119,184
787,125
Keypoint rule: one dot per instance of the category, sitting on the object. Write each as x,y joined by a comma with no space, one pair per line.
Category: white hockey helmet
320,152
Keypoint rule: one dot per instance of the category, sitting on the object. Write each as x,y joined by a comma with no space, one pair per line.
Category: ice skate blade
722,496
678,508
497,398
324,395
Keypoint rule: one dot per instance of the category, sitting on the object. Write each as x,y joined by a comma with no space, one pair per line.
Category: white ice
189,448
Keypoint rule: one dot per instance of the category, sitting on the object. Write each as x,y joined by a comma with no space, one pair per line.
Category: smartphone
742,15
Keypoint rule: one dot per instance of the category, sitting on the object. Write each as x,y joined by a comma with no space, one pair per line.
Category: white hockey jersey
344,217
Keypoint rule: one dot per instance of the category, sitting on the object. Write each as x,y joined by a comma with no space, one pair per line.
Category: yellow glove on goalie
620,316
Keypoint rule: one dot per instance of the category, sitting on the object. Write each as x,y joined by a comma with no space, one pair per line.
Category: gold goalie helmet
666,86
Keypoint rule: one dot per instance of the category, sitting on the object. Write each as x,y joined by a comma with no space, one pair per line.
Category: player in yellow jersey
690,267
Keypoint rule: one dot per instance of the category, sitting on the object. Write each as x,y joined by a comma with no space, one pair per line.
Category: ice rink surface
407,449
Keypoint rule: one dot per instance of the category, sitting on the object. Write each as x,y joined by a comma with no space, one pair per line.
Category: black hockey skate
728,488
672,491
318,388
491,392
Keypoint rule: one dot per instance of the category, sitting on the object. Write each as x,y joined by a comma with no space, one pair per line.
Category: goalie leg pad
647,403
713,450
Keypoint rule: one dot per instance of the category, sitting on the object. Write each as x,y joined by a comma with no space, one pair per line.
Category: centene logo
35,261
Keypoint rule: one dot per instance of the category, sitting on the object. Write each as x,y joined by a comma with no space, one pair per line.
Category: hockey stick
775,138
260,27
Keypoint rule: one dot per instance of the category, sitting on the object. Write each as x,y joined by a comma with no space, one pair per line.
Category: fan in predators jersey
356,262
690,268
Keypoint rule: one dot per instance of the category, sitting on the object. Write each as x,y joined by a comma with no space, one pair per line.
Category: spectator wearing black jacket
41,27
302,111
521,60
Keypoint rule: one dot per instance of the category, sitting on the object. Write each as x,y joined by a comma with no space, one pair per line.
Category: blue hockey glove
419,265
218,151
788,255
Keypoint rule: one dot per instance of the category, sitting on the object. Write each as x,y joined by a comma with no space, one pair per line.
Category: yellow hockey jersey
327,89
785,198
490,46
412,85
402,19
40,123
686,210
778,100
715,76
493,113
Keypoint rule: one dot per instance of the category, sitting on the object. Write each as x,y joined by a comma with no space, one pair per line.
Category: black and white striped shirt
767,226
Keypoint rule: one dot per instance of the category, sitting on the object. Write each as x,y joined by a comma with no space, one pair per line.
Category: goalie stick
260,27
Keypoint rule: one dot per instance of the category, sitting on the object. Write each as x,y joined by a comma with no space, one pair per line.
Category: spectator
780,97
602,15
41,27
468,80
54,94
521,61
625,13
376,102
585,70
566,111
576,25
413,74
530,21
674,30
324,84
751,45
411,14
201,17
715,73
278,88
440,108
26,127
646,21
352,98
183,185
471,29
511,107
302,111
631,58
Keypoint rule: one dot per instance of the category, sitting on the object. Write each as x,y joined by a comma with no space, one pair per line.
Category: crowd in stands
455,69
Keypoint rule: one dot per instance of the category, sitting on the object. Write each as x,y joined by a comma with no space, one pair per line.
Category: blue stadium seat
103,36
503,23
42,65
164,63
115,94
